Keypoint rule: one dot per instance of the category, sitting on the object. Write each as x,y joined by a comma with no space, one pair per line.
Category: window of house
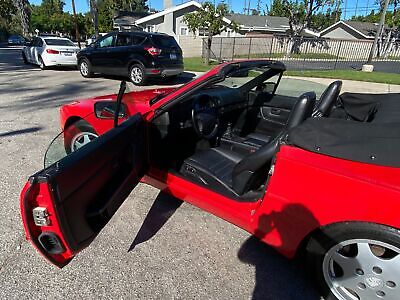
150,28
203,32
184,30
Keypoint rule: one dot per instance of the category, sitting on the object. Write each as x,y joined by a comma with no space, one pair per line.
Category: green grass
378,77
282,55
196,64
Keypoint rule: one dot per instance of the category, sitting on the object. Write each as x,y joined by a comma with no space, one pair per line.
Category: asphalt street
155,247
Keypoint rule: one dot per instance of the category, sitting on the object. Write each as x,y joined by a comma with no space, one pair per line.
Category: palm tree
95,16
24,12
77,35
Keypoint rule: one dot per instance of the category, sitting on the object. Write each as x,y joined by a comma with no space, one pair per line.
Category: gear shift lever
228,132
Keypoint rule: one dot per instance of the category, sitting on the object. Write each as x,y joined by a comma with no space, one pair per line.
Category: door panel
273,111
74,198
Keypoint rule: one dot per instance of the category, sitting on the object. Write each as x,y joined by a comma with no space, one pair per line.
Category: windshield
59,42
250,77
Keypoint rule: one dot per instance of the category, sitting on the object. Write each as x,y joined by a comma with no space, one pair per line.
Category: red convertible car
319,178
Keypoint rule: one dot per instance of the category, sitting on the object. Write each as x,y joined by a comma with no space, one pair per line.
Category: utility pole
378,32
77,35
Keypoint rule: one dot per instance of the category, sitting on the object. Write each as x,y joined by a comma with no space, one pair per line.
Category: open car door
65,205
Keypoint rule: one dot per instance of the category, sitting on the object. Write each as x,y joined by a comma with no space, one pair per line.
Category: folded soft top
364,142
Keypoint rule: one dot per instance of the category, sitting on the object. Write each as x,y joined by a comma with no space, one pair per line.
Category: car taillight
153,51
51,51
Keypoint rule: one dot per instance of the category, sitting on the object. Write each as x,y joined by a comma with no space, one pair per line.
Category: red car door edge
36,194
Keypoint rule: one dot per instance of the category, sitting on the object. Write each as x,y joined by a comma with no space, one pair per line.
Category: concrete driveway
155,247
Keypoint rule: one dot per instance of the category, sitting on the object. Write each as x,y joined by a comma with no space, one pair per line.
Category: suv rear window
57,42
164,41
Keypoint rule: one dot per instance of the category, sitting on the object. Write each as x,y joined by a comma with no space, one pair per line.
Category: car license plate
172,56
68,53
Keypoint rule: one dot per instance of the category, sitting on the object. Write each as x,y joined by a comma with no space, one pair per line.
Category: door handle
275,111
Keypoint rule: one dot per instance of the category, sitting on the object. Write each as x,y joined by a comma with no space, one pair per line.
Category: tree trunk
95,17
208,53
77,35
24,12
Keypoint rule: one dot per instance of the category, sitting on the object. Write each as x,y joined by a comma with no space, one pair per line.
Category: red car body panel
34,195
323,190
137,101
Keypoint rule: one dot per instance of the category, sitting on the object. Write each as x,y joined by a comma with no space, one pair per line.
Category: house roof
167,11
128,17
366,29
260,21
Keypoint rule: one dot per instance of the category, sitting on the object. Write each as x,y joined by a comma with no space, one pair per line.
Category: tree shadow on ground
20,131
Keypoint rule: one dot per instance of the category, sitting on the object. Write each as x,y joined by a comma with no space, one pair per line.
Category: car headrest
302,109
328,99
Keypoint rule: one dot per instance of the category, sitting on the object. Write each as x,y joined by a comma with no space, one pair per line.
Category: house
258,25
125,20
350,30
170,21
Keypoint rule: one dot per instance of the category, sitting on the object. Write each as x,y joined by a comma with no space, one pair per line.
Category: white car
92,39
47,51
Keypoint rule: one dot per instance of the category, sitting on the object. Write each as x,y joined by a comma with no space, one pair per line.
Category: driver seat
236,175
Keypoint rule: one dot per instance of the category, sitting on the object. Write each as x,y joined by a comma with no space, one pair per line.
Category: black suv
138,55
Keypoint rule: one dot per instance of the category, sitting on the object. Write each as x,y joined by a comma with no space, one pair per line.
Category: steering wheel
205,116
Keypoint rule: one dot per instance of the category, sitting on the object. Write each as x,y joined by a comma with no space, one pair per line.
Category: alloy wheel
363,269
84,68
81,139
136,75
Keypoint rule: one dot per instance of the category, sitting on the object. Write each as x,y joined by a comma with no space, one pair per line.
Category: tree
390,36
77,35
302,15
24,12
93,4
211,19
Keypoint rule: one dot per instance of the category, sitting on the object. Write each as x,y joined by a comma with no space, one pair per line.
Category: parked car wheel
85,68
24,58
356,261
77,135
41,64
137,75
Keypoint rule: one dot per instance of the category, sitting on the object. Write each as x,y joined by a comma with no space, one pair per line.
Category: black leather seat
235,175
327,100
322,109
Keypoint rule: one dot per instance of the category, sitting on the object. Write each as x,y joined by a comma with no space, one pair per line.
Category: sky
359,7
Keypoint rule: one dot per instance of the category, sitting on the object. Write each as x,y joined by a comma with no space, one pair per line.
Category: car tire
355,260
137,74
42,66
77,135
24,58
85,68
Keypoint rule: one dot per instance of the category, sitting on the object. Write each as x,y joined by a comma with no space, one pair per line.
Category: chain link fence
305,53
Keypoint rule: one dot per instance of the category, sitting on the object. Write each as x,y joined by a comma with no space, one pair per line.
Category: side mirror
106,110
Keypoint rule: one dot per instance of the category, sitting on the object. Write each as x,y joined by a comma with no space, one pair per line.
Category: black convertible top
369,132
